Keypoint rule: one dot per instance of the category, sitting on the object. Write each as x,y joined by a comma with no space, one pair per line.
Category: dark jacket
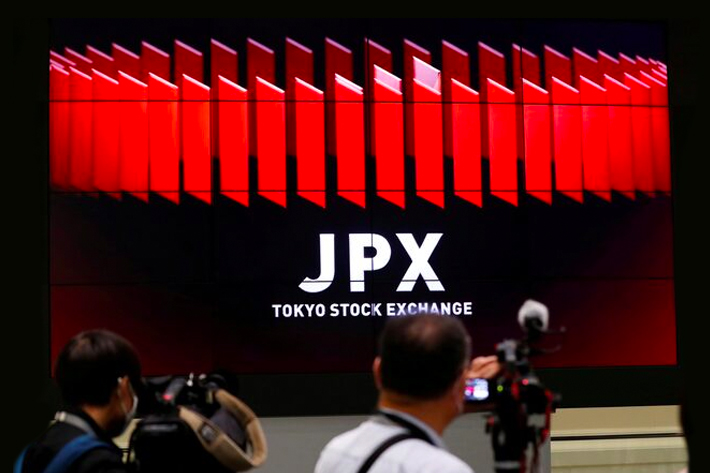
98,460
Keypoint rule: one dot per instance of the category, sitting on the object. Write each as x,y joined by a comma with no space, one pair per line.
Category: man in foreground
421,374
97,372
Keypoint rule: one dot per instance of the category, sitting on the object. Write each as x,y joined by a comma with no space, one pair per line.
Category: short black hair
423,355
88,368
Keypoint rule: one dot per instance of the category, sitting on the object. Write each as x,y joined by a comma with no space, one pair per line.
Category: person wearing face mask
98,373
420,374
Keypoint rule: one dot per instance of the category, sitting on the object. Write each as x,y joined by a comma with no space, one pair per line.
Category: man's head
423,359
99,371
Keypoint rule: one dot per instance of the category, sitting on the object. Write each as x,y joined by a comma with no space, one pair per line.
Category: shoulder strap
413,432
381,449
72,451
20,460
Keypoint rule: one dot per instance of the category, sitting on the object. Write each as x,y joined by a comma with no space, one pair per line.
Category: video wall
260,196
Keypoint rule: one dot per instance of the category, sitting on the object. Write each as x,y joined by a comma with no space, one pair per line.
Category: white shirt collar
436,438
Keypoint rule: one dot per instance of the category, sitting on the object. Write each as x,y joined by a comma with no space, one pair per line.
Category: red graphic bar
567,139
595,138
610,66
83,63
411,51
585,65
466,142
106,113
428,150
628,65
350,140
502,144
133,136
660,130
388,79
338,60
491,65
59,127
310,142
164,148
260,63
233,141
526,65
455,65
223,62
427,74
657,74
155,61
196,156
621,152
271,137
80,111
56,57
641,134
537,146
556,65
188,61
389,147
611,133
299,64
428,139
375,55
102,61
126,61
643,65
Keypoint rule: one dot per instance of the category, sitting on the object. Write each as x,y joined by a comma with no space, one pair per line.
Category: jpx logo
360,264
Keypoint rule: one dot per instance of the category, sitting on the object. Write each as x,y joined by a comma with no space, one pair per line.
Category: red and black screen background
191,285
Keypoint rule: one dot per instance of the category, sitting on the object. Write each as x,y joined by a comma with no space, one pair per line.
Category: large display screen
260,196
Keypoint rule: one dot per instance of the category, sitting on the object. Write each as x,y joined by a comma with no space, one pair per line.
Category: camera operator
420,373
97,373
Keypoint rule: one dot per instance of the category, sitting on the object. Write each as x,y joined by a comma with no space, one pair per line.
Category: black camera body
162,441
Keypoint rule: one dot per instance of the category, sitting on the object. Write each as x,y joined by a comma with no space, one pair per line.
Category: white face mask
130,414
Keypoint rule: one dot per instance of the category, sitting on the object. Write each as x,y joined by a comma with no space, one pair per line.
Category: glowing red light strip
164,149
133,142
350,140
455,65
466,142
502,144
567,139
233,141
155,61
271,141
299,64
80,130
106,112
223,62
537,150
389,147
309,142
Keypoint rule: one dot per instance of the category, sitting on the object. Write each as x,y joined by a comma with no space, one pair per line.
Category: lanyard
75,420
413,432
